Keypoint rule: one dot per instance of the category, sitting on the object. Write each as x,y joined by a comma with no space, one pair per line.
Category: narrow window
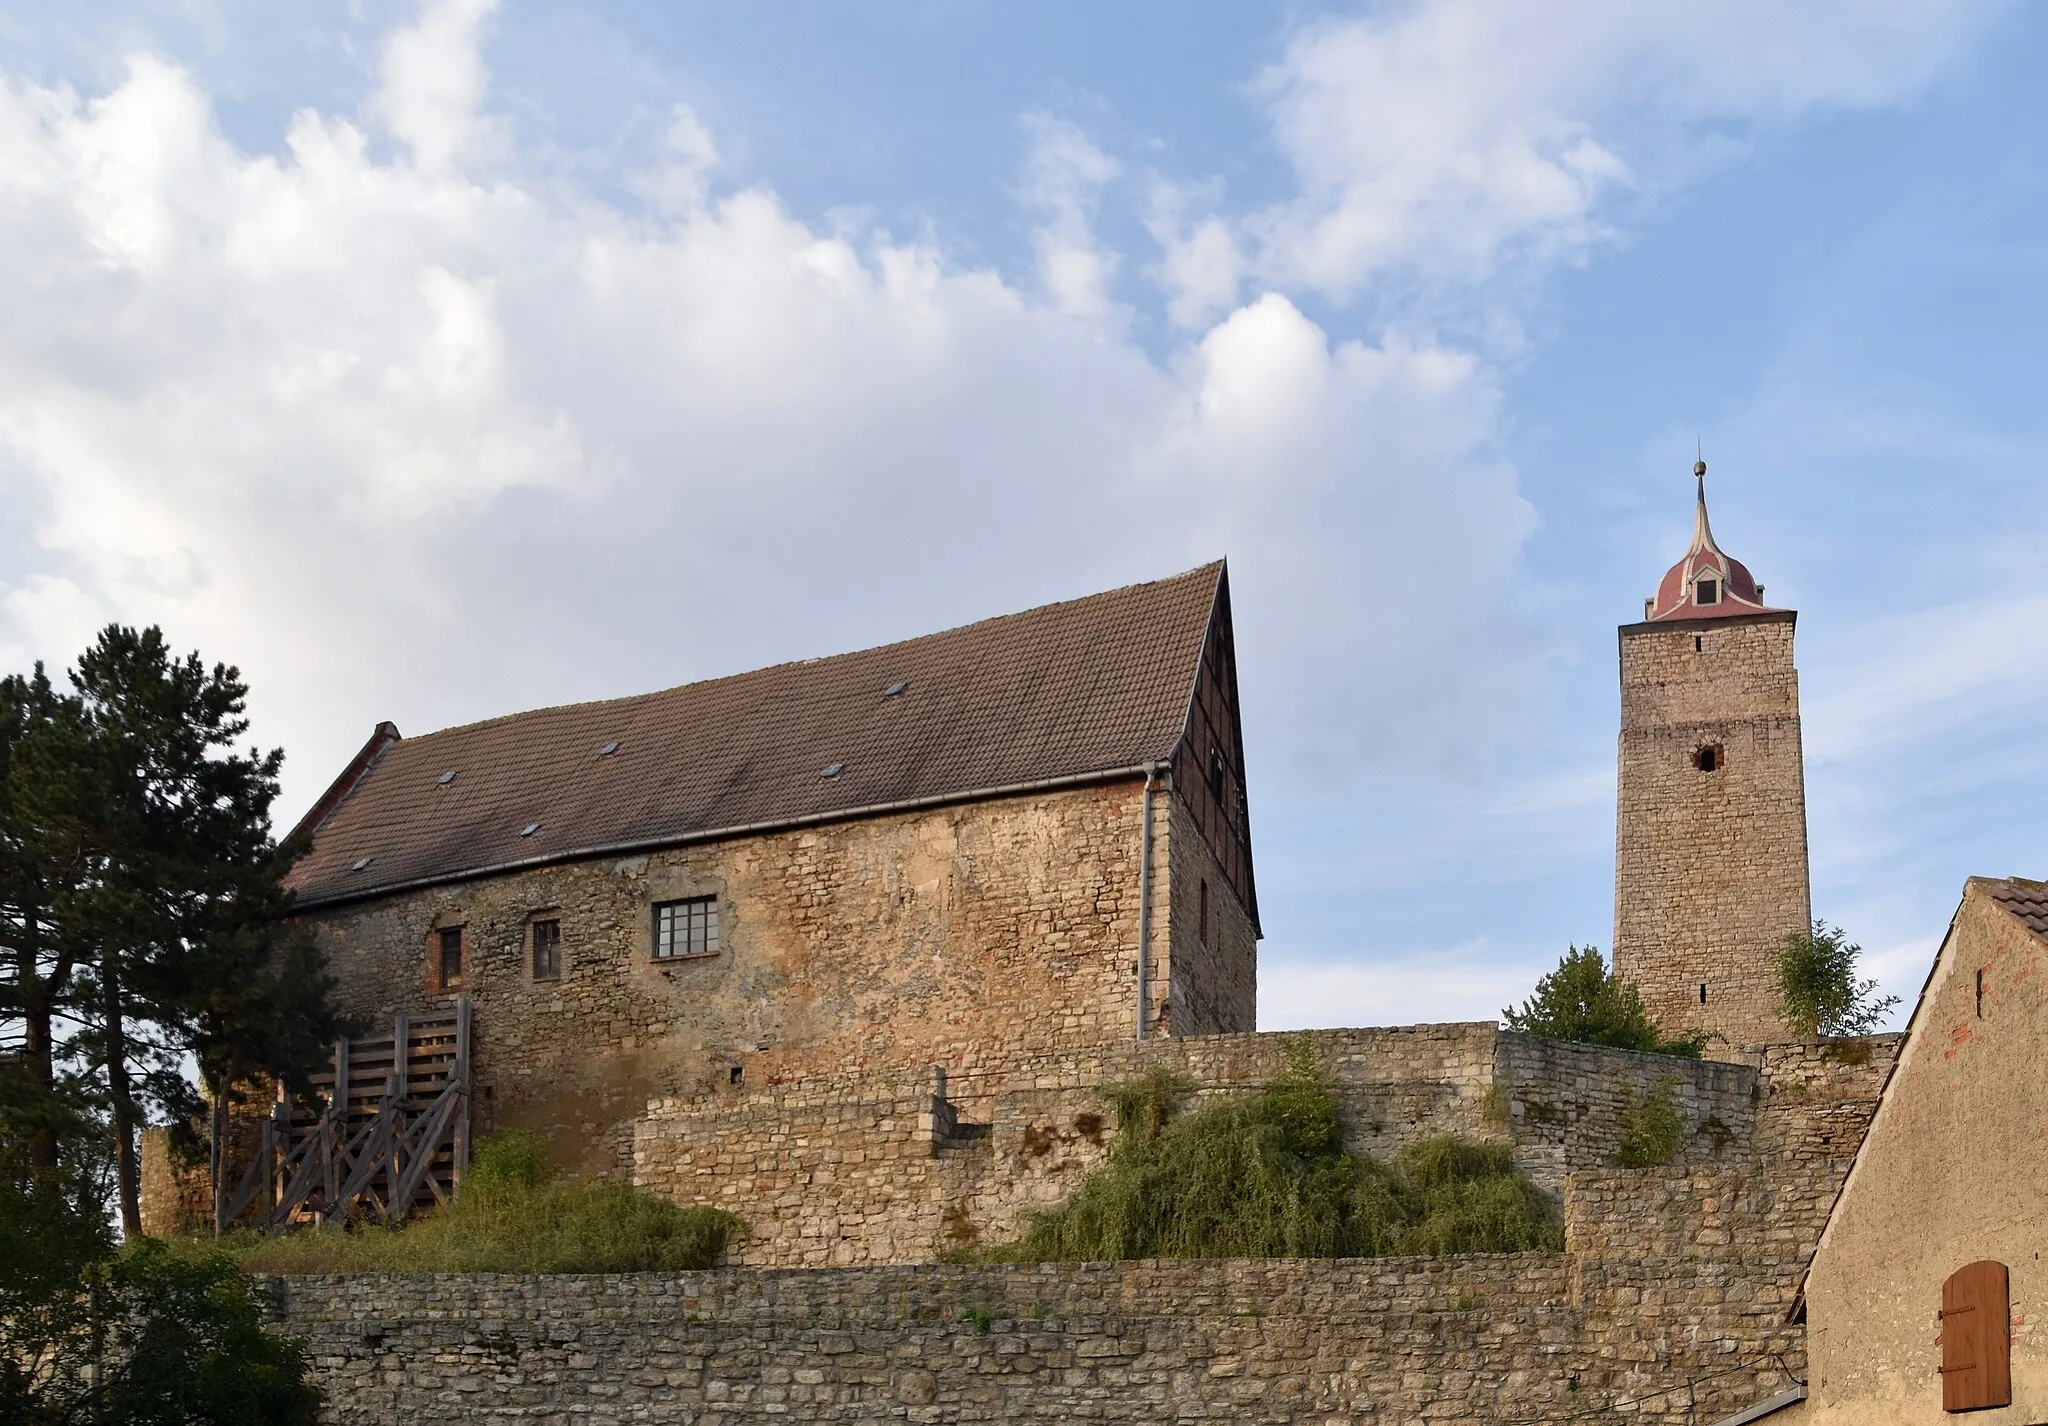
1980,992
451,958
1216,773
686,928
547,950
1707,591
1699,644
1708,759
1976,1338
1202,929
1703,992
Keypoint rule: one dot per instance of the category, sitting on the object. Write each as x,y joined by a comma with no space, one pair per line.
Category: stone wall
1214,959
1508,1338
963,936
884,1168
1710,866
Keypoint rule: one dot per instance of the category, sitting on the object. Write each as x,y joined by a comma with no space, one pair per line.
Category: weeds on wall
512,1216
1651,1128
1267,1177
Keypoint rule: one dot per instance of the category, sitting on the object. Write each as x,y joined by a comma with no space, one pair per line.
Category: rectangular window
1707,593
1202,928
451,958
686,928
547,950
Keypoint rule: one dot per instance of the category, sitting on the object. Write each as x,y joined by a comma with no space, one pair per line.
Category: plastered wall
1955,1171
1710,867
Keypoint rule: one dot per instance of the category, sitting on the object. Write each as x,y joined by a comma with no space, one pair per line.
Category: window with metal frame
686,928
547,950
451,957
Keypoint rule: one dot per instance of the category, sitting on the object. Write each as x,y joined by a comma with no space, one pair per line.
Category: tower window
1699,644
1703,992
1709,758
1706,591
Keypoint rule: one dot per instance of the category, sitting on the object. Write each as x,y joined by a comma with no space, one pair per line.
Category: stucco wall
961,936
1710,867
1955,1170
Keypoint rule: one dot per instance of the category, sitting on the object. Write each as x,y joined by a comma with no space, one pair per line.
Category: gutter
720,834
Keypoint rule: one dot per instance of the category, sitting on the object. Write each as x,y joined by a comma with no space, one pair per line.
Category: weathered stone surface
1710,868
962,936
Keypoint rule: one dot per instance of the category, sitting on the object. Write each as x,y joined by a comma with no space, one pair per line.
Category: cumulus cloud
407,434
1441,142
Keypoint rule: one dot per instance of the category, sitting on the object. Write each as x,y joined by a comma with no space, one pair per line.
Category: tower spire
1706,584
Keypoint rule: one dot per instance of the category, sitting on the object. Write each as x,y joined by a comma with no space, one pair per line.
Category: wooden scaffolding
392,1135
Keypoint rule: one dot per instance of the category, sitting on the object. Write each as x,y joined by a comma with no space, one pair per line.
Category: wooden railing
392,1136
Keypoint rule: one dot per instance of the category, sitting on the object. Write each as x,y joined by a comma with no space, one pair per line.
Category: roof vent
831,769
607,750
529,829
445,778
893,689
360,862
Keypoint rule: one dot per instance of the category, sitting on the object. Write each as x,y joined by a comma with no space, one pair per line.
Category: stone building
1928,1290
1710,868
1026,835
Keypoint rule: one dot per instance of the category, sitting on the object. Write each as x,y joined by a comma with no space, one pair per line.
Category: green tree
1818,992
141,897
1581,1000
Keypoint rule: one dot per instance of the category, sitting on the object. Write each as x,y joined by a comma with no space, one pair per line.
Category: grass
1267,1177
512,1216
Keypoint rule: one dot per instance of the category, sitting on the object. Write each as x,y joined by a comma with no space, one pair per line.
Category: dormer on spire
1706,584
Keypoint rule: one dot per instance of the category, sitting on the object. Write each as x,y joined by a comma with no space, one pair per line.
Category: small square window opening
1708,759
451,957
686,928
547,950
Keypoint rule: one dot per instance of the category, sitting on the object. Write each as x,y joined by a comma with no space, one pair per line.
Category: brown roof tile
2027,900
1089,686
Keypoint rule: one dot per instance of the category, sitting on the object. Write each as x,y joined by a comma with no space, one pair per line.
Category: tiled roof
2027,900
1086,687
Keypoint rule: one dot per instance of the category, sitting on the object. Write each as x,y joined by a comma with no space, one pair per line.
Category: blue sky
435,361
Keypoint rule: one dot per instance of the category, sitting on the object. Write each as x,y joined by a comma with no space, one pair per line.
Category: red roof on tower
1706,584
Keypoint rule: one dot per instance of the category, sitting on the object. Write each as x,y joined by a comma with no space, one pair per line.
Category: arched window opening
1709,758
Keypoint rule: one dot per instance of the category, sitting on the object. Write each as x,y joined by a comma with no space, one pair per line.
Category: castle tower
1710,837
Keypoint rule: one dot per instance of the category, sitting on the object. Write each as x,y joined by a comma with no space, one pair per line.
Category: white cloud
415,437
1442,141
1460,983
431,93
1063,176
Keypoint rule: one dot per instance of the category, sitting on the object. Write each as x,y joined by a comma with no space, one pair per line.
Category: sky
431,362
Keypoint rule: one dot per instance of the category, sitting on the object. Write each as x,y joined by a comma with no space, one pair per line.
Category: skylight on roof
360,862
893,689
831,769
445,778
529,829
607,750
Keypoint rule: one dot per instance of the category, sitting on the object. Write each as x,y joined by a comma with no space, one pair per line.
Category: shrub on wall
1651,1128
1267,1177
1583,1001
1818,992
513,1216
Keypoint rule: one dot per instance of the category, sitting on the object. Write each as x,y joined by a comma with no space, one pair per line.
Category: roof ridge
1217,565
